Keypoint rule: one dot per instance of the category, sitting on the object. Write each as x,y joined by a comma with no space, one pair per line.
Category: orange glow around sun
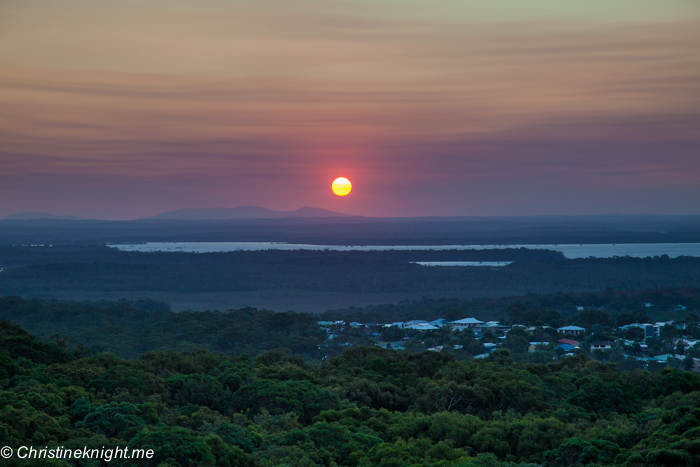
341,186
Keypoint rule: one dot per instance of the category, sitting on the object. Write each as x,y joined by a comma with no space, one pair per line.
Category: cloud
227,92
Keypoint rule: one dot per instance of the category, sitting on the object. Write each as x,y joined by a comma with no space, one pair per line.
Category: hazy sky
118,109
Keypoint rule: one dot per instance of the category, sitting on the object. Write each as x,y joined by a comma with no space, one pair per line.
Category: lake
463,263
639,250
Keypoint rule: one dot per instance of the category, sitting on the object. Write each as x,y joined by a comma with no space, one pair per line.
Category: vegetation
129,329
99,269
365,407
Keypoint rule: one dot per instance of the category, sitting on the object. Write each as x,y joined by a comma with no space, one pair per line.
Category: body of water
640,250
463,263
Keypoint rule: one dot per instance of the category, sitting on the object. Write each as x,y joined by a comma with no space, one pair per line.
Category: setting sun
341,186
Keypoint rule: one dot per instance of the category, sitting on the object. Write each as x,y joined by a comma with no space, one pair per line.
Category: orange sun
341,186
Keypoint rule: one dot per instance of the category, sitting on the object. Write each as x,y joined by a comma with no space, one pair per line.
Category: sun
341,186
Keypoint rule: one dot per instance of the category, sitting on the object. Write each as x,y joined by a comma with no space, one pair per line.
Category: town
668,343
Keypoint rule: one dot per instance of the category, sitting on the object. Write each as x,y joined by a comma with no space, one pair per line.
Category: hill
27,216
245,212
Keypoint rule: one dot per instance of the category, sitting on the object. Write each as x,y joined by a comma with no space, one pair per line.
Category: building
664,358
601,345
466,323
440,322
495,326
398,324
568,342
421,327
572,330
650,330
414,322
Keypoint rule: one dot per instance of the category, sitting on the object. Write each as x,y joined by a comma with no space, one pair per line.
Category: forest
366,406
254,387
129,329
48,270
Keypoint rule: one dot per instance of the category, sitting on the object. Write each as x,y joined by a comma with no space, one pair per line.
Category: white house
440,322
398,324
493,325
466,323
572,330
421,327
414,321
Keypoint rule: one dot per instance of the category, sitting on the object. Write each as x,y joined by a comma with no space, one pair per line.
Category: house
489,346
355,324
687,343
648,305
565,347
435,349
414,322
572,330
579,308
422,327
664,358
568,342
679,308
466,323
536,346
440,322
398,324
650,330
690,342
495,326
533,328
601,345
660,324
481,356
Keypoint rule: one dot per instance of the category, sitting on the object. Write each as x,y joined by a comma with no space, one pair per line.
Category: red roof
568,341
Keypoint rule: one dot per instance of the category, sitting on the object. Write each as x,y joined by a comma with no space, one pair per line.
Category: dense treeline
364,231
131,328
364,407
13,256
33,270
615,302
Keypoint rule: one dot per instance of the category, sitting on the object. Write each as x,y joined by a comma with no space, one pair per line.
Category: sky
121,109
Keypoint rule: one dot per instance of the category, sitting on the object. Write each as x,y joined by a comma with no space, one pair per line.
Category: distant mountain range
245,212
240,212
27,216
